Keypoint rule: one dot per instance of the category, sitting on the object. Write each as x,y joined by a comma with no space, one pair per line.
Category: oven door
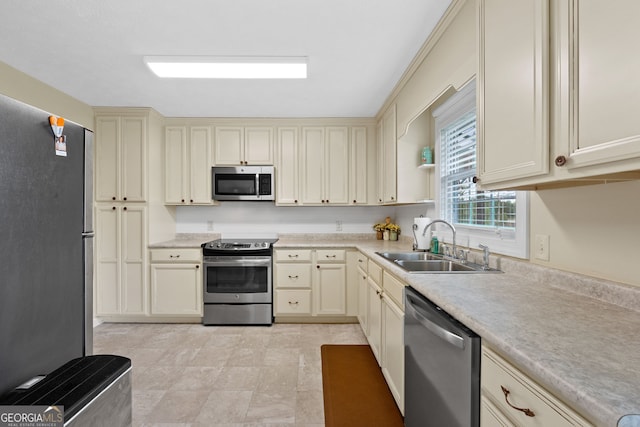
237,279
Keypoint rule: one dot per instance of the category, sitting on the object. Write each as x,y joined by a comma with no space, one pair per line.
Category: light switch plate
541,248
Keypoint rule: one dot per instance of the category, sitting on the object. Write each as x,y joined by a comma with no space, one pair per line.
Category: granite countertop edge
502,308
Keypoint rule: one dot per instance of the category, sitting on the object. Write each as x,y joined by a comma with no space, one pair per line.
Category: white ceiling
93,49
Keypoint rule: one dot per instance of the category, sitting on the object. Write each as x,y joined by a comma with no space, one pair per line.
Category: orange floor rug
355,392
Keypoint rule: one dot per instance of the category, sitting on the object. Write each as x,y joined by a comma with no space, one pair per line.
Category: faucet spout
453,230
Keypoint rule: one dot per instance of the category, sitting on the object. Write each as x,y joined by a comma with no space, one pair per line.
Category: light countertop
575,335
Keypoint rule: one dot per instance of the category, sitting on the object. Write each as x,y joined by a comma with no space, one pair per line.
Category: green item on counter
434,245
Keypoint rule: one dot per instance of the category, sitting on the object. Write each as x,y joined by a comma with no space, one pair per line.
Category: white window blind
498,219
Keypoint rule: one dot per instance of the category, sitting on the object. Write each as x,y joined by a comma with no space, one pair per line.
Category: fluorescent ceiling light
232,67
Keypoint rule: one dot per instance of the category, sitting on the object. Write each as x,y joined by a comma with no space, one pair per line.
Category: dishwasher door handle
437,330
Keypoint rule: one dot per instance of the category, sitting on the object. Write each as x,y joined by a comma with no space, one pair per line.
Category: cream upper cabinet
512,90
121,154
358,170
188,165
287,176
597,131
555,91
387,161
325,165
121,260
236,145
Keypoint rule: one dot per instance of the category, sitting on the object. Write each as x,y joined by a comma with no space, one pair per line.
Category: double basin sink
425,262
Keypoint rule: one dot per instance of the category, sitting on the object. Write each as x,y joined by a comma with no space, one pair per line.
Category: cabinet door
358,166
133,260
374,294
363,301
312,166
393,349
176,289
229,145
134,159
107,260
175,165
388,159
200,163
107,167
513,90
336,167
600,91
287,176
330,291
258,146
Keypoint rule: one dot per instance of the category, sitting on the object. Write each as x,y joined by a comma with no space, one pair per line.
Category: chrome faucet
485,256
453,230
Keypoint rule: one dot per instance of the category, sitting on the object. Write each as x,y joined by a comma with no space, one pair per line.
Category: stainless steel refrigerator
46,244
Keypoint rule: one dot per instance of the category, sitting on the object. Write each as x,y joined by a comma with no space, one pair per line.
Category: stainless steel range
238,283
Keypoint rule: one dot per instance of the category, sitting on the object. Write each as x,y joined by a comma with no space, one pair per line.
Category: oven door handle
238,263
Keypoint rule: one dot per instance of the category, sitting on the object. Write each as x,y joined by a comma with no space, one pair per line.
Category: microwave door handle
257,185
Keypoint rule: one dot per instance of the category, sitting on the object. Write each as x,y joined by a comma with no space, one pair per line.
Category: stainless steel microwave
243,183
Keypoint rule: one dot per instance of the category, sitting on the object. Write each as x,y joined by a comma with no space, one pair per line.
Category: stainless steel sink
424,262
409,256
434,266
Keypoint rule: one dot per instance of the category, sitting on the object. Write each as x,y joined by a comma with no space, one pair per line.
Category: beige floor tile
217,376
225,407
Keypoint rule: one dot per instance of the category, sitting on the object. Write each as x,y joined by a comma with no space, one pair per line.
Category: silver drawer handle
293,277
528,412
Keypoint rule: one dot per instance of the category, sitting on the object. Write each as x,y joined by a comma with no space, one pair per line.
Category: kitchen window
497,219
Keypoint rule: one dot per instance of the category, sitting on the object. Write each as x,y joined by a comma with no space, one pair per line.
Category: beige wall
593,229
20,86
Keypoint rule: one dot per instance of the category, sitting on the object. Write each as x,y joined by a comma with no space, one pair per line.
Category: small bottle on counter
434,245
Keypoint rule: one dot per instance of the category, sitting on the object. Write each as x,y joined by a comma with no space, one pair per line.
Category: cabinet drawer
293,255
293,276
497,373
330,255
394,288
362,259
176,255
375,272
293,302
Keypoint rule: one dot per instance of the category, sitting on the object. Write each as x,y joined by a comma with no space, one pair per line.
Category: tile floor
192,375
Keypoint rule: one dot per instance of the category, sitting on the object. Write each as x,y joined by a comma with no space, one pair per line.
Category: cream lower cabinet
363,302
121,262
292,282
374,307
312,283
330,282
524,403
176,282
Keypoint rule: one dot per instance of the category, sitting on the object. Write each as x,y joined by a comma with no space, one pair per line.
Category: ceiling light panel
211,67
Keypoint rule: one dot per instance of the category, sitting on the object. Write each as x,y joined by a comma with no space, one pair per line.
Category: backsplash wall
256,219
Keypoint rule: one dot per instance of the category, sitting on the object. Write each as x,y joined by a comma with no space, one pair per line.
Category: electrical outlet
209,225
338,225
542,247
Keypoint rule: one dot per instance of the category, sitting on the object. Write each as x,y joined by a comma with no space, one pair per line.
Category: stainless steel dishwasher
442,367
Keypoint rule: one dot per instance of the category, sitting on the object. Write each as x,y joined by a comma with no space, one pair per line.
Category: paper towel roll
423,242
